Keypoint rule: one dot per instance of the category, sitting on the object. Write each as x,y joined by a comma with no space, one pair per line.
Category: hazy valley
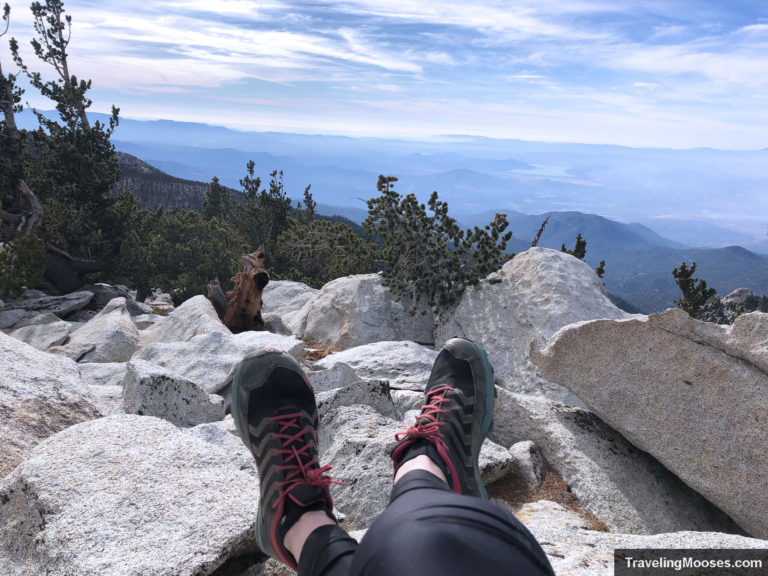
643,211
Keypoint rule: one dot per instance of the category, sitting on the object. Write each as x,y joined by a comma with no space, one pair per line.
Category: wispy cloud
498,68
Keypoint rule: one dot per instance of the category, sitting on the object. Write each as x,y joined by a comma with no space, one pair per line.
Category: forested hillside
154,188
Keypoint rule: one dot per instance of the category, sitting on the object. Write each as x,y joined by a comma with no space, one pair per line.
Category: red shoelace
428,428
299,468
427,424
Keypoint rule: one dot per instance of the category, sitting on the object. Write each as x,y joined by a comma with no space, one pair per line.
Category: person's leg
438,520
275,414
429,529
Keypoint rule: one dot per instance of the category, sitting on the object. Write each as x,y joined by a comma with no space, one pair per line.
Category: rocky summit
118,455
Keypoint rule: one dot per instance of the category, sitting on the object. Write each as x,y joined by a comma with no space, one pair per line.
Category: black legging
428,530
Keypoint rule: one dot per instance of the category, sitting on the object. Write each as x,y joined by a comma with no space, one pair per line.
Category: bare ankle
421,462
297,535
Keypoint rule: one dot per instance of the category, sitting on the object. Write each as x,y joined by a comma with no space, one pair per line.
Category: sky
644,73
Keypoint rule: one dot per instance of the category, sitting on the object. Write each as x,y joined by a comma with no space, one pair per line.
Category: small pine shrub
22,264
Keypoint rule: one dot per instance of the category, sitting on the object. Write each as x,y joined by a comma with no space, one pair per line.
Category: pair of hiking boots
274,409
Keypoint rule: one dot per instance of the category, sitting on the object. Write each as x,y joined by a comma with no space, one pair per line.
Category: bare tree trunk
65,272
243,302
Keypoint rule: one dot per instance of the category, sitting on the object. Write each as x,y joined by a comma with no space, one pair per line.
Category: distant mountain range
703,197
639,261
659,207
511,186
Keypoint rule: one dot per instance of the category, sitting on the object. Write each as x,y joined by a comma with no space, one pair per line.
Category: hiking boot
274,409
457,414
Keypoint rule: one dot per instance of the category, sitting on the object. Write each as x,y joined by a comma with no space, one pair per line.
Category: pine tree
695,291
219,202
11,153
70,164
247,211
263,214
600,270
430,256
317,251
579,250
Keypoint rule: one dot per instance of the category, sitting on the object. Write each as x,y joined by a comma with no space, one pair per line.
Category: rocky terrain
118,456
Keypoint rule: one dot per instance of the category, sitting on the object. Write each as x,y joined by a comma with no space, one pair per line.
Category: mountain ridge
723,188
639,262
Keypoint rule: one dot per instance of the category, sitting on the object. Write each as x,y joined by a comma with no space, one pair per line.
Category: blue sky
660,73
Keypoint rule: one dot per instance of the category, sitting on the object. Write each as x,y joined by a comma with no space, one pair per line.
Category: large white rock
406,365
692,394
128,495
103,373
290,301
624,487
574,549
149,390
209,360
357,442
110,336
40,394
44,335
194,317
358,310
372,393
531,297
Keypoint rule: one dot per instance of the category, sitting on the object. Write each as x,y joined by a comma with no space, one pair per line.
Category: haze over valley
699,197
643,211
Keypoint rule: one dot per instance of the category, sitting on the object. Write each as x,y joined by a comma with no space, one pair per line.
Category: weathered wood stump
240,308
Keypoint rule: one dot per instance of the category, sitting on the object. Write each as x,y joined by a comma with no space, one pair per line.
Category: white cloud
755,29
506,20
563,69
740,66
435,57
522,76
231,7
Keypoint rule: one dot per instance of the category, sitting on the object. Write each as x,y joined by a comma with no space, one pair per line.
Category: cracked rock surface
692,394
128,495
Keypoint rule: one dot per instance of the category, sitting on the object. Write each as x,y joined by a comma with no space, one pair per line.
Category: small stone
336,375
527,462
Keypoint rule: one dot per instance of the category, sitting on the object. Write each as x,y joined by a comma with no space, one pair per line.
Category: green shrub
429,256
22,264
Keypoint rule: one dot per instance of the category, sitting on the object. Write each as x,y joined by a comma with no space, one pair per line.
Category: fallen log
240,308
